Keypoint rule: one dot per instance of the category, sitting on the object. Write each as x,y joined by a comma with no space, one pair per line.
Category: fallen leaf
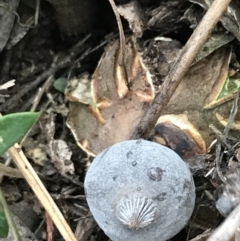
195,90
111,118
60,154
180,135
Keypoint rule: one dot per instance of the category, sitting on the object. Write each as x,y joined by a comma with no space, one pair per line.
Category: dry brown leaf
180,135
61,156
112,117
192,95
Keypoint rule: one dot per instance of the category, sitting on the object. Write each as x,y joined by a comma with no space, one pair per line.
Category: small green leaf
230,86
60,84
224,91
4,228
13,127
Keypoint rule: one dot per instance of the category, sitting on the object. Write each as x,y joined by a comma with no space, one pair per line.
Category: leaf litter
160,30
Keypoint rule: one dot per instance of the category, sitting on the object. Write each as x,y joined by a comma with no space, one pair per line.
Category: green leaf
60,84
224,91
230,86
4,228
13,127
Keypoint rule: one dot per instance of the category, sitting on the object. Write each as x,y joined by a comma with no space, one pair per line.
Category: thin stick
63,63
227,229
9,171
41,92
7,163
180,68
232,116
40,191
121,69
121,33
36,15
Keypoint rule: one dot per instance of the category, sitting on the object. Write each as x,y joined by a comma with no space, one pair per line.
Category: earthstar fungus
109,105
140,190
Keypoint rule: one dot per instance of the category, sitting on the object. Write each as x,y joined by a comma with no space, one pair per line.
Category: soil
33,59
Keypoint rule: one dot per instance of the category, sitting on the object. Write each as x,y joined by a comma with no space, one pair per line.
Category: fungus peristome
183,123
114,110
140,190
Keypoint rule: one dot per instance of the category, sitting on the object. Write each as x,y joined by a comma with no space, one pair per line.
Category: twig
40,191
122,70
9,217
222,138
218,161
227,229
9,171
218,157
180,68
12,102
232,115
50,227
39,227
36,15
41,91
26,105
121,33
7,163
37,99
87,52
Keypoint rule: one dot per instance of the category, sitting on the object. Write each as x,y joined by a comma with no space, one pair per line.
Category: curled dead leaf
111,118
179,134
60,154
116,109
78,89
223,121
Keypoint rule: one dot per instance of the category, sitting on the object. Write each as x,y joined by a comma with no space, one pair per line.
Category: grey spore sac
148,195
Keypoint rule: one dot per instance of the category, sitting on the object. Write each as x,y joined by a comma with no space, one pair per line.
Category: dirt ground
60,45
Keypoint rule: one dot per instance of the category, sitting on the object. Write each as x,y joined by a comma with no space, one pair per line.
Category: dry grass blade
40,191
8,84
9,171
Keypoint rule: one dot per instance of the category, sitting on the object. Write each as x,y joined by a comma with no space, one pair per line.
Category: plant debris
84,67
